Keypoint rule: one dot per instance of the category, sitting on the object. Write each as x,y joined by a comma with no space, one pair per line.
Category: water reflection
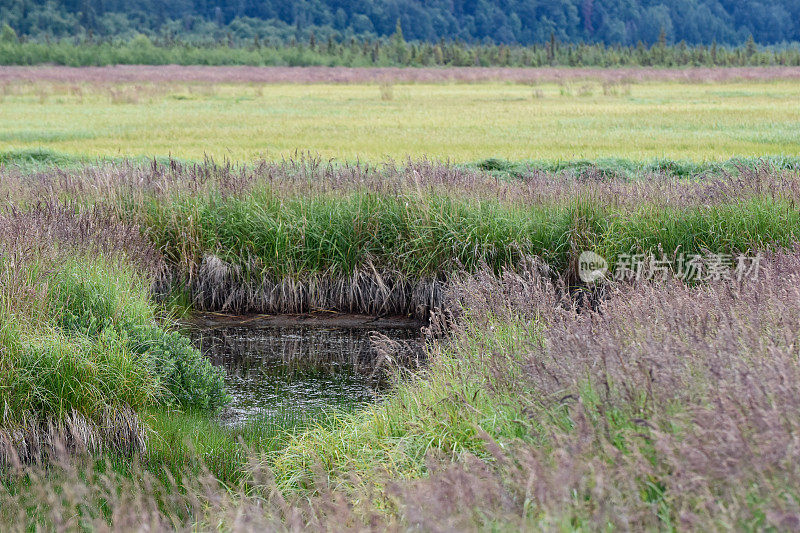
289,371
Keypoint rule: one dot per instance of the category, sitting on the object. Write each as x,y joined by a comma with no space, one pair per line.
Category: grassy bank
532,412
304,235
340,234
384,240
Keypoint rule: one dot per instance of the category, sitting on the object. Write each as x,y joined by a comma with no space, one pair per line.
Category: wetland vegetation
651,403
203,327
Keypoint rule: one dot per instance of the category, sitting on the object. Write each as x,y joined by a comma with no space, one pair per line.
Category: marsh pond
293,367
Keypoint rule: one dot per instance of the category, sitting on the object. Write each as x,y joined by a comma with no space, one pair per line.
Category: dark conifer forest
521,22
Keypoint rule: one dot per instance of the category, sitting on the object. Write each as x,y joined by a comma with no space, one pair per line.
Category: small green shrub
190,379
494,163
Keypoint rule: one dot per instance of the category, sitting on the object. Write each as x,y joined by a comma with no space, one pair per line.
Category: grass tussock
82,349
380,241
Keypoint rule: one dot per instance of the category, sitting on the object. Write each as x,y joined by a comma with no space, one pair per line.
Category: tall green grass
441,413
96,347
269,235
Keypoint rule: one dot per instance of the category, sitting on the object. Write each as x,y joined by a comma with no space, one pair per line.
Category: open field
193,112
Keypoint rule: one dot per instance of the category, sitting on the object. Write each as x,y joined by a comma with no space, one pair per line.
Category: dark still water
295,371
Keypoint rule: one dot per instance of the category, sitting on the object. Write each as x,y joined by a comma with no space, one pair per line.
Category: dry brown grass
224,287
37,441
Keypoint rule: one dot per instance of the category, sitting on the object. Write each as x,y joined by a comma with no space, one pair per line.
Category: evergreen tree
7,34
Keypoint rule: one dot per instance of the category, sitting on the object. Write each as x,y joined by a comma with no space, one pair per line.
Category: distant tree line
511,22
391,51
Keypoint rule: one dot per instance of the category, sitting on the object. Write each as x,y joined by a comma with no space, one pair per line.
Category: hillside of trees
514,22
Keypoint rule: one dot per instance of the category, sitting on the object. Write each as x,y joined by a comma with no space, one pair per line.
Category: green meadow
577,119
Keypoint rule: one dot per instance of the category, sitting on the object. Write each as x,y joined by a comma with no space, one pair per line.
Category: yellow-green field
461,122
